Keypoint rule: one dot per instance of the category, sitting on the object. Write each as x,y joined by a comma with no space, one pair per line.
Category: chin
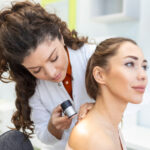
60,80
137,100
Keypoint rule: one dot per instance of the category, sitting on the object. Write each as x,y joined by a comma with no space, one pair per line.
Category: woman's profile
115,76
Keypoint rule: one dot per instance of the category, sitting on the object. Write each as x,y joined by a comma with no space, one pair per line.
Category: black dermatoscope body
68,109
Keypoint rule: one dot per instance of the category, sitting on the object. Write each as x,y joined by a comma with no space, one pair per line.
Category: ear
99,75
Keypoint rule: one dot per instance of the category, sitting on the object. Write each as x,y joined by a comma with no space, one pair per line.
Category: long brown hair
22,28
100,57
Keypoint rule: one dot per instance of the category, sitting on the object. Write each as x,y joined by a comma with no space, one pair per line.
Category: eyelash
131,64
54,59
145,67
35,72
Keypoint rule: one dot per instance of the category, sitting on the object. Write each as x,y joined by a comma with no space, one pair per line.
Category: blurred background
99,19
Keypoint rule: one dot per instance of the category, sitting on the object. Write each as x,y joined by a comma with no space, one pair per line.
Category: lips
140,89
57,77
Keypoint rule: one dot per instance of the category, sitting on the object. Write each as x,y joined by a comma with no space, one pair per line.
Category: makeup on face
127,78
49,61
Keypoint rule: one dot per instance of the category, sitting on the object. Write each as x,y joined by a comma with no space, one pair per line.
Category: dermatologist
47,62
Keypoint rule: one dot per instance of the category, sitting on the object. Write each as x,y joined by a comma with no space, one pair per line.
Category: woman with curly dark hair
47,61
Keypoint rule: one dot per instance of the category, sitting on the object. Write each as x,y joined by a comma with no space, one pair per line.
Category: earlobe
99,75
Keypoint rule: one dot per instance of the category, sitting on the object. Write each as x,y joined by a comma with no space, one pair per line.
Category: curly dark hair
23,27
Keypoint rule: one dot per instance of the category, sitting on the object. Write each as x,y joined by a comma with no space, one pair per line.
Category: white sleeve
89,49
40,116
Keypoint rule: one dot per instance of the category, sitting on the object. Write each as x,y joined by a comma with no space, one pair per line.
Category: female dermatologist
47,62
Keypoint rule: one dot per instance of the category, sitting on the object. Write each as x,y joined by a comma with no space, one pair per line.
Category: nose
142,75
50,70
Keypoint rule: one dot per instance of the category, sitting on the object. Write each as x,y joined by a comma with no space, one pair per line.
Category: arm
49,127
58,123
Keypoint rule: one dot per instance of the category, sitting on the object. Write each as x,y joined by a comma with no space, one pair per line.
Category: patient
115,76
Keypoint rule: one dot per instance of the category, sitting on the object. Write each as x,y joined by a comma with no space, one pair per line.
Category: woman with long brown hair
47,62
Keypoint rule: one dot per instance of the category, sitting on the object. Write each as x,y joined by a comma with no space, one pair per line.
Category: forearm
46,137
57,133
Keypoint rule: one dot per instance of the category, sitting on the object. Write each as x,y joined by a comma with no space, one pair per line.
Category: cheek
120,80
63,61
121,86
41,76
120,83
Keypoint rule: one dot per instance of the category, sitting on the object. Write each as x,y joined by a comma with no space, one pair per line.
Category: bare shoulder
79,136
85,136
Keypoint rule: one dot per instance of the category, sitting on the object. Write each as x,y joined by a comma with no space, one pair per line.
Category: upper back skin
83,138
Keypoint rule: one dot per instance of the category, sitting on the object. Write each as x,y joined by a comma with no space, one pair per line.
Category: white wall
144,42
7,91
87,26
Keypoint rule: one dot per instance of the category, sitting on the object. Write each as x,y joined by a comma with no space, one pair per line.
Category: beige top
121,139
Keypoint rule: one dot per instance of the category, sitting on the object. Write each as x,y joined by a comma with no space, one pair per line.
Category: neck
110,108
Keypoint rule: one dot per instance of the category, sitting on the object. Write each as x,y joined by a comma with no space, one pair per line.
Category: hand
58,123
84,109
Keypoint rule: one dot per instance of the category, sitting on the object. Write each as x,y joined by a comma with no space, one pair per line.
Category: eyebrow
46,60
135,58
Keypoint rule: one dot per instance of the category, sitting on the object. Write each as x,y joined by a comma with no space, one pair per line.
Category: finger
67,126
82,113
57,109
80,117
62,119
57,112
84,109
64,125
73,116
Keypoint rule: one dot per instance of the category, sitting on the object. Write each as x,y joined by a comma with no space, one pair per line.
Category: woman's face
49,61
127,78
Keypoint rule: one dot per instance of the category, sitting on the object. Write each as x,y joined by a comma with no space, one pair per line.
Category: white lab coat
49,94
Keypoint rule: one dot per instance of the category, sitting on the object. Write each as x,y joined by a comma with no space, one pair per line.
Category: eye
35,72
130,64
53,60
145,67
